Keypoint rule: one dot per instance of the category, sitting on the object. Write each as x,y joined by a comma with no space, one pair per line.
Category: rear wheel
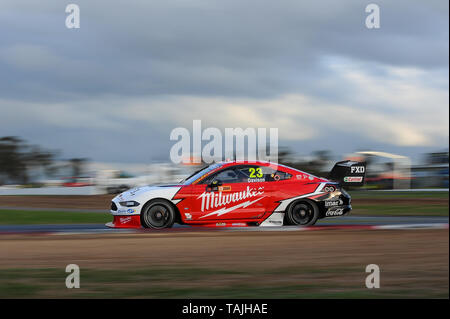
302,213
158,215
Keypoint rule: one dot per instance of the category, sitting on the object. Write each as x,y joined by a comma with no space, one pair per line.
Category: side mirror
214,186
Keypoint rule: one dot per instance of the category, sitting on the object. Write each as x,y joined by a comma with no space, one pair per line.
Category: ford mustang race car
240,194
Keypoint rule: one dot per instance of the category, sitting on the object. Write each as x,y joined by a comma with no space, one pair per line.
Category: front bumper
117,209
124,221
124,217
338,211
337,203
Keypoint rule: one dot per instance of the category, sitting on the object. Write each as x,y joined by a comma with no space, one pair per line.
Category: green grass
399,210
404,208
20,217
175,282
15,217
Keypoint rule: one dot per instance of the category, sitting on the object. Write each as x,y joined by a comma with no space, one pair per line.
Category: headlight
129,203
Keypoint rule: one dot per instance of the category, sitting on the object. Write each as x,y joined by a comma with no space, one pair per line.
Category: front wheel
158,215
302,213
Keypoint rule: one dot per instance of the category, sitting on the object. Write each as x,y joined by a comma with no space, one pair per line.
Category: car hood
164,191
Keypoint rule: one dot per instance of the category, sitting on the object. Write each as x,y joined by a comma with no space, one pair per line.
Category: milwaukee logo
211,200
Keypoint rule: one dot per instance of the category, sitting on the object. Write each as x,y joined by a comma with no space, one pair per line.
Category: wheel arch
301,200
168,203
307,200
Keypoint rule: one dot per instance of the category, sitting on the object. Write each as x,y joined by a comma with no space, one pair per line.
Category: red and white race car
240,194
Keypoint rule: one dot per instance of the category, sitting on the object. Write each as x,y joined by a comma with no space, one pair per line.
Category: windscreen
189,180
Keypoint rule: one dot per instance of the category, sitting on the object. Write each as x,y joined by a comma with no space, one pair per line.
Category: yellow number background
252,171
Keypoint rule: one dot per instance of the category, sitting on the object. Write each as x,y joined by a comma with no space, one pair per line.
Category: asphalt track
332,223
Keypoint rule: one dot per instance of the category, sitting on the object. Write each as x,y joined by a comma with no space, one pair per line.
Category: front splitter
121,221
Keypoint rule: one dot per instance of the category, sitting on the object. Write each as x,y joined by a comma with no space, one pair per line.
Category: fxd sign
358,169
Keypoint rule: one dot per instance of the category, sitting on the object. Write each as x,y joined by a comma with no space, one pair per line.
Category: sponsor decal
224,188
357,169
329,189
126,211
212,200
331,203
239,224
125,220
221,224
256,180
336,212
188,216
353,179
305,176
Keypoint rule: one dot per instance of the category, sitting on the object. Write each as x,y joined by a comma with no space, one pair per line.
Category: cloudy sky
115,88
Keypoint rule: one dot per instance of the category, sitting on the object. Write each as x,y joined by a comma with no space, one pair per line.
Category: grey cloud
233,48
217,49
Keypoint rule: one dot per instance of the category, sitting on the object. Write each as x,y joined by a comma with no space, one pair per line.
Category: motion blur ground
188,262
404,232
106,107
321,264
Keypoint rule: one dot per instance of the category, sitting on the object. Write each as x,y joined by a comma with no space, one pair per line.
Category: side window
226,176
261,174
280,176
251,174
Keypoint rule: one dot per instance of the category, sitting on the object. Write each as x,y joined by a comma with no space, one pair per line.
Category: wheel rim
157,216
302,213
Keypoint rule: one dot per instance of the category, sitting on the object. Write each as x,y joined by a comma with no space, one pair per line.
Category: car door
228,195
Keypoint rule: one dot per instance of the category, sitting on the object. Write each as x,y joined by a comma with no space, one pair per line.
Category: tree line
18,159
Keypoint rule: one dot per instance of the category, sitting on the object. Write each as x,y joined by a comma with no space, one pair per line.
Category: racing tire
158,215
302,213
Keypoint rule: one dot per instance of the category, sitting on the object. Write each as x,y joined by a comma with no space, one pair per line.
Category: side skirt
275,219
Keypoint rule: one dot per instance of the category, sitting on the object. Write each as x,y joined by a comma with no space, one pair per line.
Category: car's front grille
113,206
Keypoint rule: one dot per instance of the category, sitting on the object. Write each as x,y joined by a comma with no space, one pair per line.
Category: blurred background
31,170
99,102
87,113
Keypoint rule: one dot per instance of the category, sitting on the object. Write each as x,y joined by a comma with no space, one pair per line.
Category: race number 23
258,172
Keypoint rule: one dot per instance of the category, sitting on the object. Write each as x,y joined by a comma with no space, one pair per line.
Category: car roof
284,168
225,164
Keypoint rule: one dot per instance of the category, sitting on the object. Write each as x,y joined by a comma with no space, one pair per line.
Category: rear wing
348,173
